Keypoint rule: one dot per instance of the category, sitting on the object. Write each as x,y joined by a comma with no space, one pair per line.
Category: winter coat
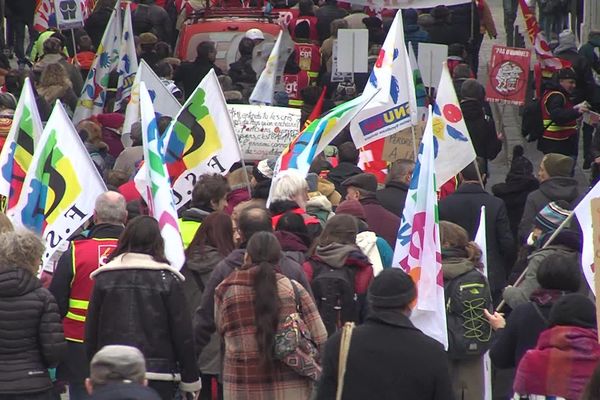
552,189
152,18
380,220
189,74
241,71
385,344
482,129
463,208
204,318
128,159
584,87
123,391
197,270
561,363
31,335
111,132
156,319
293,246
367,242
64,93
393,197
414,34
189,223
243,377
339,174
560,114
514,193
319,206
445,33
567,243
96,23
325,15
238,195
591,51
72,71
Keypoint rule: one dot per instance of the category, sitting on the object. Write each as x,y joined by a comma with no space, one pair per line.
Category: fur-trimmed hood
135,261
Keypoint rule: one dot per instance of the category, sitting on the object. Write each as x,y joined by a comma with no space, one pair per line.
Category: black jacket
139,302
393,197
241,71
152,18
445,33
482,129
388,359
514,194
31,335
325,15
339,174
560,114
463,208
123,391
585,85
189,74
96,24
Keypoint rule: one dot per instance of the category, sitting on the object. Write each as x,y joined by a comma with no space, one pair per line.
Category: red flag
318,110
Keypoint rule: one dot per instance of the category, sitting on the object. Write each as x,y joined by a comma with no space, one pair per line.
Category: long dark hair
216,230
142,235
264,252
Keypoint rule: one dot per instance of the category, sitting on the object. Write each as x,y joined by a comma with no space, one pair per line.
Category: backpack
469,332
532,124
335,296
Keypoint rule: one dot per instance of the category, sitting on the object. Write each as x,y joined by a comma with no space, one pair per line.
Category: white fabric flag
394,107
61,186
128,64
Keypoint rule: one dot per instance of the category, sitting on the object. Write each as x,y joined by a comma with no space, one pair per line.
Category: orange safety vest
294,83
87,256
552,130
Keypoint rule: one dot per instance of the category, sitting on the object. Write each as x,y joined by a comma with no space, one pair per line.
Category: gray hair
399,169
111,208
288,184
22,249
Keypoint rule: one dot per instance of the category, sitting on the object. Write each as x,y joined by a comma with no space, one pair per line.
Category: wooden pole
595,205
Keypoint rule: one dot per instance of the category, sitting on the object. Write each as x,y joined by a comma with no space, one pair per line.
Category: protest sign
69,14
431,57
400,145
595,209
354,60
508,73
263,131
336,75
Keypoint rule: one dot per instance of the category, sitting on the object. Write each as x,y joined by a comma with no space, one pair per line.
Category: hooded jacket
123,391
482,129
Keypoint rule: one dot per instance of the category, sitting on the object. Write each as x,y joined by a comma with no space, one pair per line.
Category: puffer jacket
156,319
367,242
31,333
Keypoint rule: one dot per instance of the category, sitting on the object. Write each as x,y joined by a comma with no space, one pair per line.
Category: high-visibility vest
294,83
188,229
87,256
553,130
308,58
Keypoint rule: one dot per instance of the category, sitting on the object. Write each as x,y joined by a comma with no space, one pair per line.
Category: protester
189,74
31,336
53,54
91,134
356,17
306,20
85,55
238,181
54,84
386,343
147,42
21,15
149,17
156,319
118,372
326,14
241,71
443,31
96,23
131,156
293,236
251,305
584,81
413,33
348,158
397,180
72,287
8,104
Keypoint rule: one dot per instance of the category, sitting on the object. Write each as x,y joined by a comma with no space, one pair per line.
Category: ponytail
266,309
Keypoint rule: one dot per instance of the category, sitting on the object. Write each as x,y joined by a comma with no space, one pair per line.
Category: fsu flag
509,70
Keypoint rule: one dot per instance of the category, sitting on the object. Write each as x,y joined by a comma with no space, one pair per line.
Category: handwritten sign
263,131
400,145
595,205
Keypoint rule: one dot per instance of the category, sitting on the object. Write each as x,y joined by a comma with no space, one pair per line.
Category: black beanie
573,310
392,288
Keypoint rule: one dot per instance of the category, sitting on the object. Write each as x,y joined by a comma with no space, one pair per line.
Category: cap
363,181
117,363
392,288
148,38
255,34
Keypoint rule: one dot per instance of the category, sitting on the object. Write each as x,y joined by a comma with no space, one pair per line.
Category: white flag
128,64
61,186
394,107
159,195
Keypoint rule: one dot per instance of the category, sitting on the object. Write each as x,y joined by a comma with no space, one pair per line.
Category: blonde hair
22,249
455,236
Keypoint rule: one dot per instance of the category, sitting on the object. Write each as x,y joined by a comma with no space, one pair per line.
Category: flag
481,241
453,147
420,91
270,79
399,4
583,211
157,186
418,249
317,110
163,101
394,107
44,16
61,185
19,147
548,61
128,64
93,95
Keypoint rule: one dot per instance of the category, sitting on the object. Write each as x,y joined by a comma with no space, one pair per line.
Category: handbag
343,359
293,344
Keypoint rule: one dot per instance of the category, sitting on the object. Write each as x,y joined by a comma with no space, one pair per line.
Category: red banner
508,74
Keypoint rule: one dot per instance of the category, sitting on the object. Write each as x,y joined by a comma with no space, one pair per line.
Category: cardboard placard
508,74
69,13
400,145
264,131
355,42
595,205
431,58
336,75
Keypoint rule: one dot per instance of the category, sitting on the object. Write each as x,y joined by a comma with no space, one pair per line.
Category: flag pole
548,242
414,141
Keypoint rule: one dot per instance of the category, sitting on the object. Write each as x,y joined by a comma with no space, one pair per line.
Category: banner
508,75
19,147
128,65
583,211
45,17
396,4
61,186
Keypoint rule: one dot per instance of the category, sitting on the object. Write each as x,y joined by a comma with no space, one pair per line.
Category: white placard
264,131
431,58
355,43
69,14
336,75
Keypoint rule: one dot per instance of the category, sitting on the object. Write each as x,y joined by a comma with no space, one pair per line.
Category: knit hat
566,41
392,288
264,170
118,363
410,16
365,181
566,73
148,38
573,310
551,216
351,207
557,164
520,165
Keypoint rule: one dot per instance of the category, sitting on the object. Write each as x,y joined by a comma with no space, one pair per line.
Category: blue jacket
415,35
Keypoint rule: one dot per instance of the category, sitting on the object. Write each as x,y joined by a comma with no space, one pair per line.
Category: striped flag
17,153
128,65
157,186
418,249
60,187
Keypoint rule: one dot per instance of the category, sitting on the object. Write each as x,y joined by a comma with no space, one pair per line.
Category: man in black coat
189,74
463,207
388,357
325,15
393,196
348,158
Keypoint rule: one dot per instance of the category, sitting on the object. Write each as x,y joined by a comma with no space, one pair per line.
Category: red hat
351,207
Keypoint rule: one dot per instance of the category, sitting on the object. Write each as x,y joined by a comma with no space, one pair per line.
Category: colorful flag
60,187
453,147
317,110
394,107
270,79
583,211
44,16
420,91
128,64
157,186
19,147
418,249
93,95
163,101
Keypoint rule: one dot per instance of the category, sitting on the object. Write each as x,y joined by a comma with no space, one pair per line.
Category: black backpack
469,332
335,296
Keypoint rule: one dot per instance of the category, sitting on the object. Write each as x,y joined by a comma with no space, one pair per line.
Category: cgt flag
157,186
128,65
418,249
60,187
18,150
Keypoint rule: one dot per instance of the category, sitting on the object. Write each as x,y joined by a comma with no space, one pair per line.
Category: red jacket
294,83
308,58
311,20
